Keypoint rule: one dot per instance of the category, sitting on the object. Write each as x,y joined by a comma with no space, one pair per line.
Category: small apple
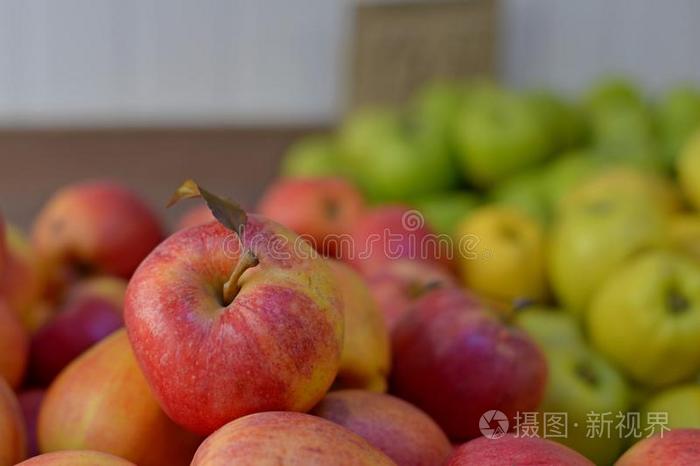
613,91
441,340
234,318
197,215
678,116
627,133
688,168
278,437
365,360
591,238
97,226
14,347
506,260
13,442
90,398
443,211
645,318
311,157
30,404
511,450
680,403
564,173
395,157
92,311
498,134
396,286
76,458
679,447
524,192
394,232
403,432
564,121
321,210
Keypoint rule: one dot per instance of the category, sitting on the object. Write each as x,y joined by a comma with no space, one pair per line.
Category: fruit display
484,276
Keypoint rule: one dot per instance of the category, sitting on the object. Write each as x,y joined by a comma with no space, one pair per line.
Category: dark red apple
322,210
30,404
456,360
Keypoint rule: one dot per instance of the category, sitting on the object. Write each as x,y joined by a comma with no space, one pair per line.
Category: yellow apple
681,404
684,234
501,254
645,318
688,168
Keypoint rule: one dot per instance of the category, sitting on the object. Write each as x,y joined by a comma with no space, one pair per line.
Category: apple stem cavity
232,285
230,215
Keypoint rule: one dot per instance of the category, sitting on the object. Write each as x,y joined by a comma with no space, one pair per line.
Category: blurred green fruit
562,174
498,134
678,116
645,318
550,328
395,157
312,156
681,404
526,193
565,123
613,91
444,211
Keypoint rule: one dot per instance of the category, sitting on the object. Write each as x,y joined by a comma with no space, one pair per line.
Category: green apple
312,156
437,105
678,116
564,121
526,193
582,381
688,169
680,403
395,157
443,211
498,134
646,318
613,91
550,328
564,173
591,237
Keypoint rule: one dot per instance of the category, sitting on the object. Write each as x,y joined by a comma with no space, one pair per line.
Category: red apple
92,311
394,232
14,347
456,360
30,403
322,210
398,284
195,216
95,227
511,450
287,438
678,447
365,359
102,402
76,458
13,443
226,326
403,432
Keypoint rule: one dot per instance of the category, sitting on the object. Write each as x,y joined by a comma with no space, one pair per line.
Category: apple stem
232,285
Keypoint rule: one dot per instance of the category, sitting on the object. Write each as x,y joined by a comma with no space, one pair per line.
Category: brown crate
400,46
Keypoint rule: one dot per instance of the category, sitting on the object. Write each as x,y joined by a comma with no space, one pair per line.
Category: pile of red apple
369,312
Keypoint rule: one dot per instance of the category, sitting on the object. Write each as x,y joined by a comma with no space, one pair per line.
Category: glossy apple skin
324,210
100,225
403,432
197,215
276,437
397,285
366,355
13,442
30,403
276,346
76,458
76,328
678,447
393,232
509,450
102,402
456,360
14,347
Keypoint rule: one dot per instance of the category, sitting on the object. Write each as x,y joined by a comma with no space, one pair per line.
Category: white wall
133,61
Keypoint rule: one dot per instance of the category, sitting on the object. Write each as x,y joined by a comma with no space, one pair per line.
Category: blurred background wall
133,62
